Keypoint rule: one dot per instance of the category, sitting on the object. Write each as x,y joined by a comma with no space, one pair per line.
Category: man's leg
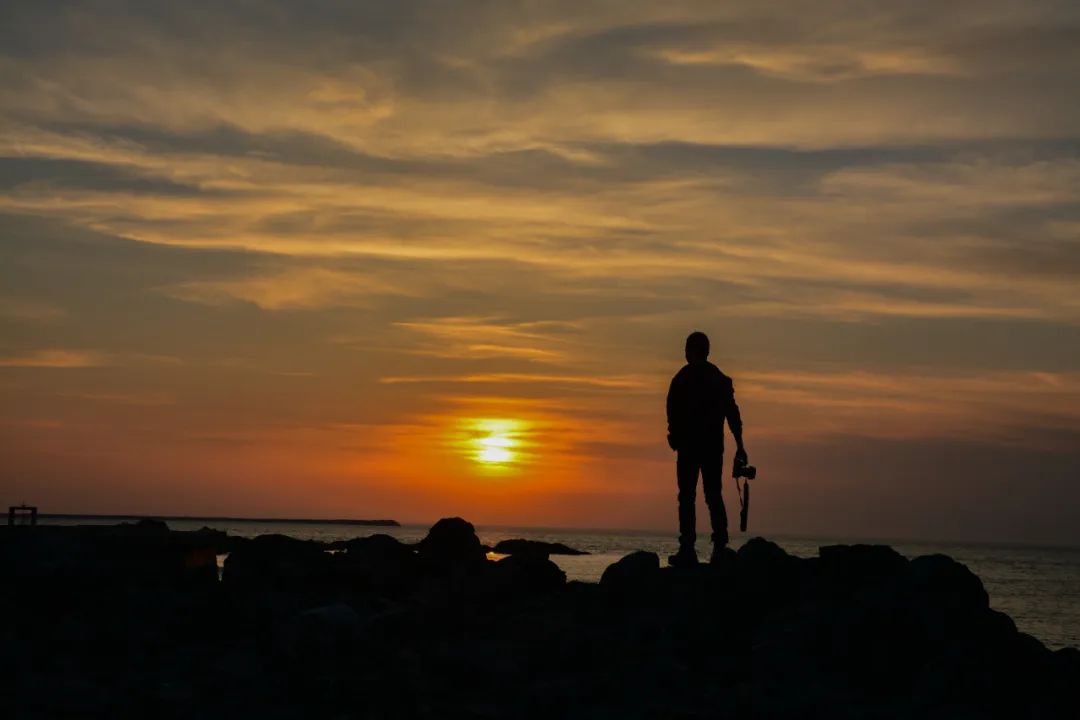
712,471
686,469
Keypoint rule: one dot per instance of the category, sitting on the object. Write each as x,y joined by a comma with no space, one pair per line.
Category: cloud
1013,408
56,359
426,79
612,382
962,186
127,398
366,215
29,310
296,289
492,338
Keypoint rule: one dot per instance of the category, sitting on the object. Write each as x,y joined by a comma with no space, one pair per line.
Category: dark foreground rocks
132,621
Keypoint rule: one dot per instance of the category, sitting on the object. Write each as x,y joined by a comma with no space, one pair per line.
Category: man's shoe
686,557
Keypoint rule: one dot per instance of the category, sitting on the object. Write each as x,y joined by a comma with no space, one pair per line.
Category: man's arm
672,402
734,419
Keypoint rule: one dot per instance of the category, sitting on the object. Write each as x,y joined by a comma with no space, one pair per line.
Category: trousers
709,463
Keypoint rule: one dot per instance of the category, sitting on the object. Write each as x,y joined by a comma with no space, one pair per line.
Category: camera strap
744,501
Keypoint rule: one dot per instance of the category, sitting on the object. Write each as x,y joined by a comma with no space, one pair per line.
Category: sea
1039,587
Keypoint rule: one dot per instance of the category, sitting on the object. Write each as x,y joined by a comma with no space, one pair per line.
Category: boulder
761,555
883,619
378,549
103,557
1069,657
452,544
950,608
148,525
235,542
275,561
380,562
637,570
948,584
725,560
534,547
767,576
29,556
217,539
320,635
849,566
528,573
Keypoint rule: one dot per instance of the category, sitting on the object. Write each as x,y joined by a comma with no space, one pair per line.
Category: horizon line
384,522
387,522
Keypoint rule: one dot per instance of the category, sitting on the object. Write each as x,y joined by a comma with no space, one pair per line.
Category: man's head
697,347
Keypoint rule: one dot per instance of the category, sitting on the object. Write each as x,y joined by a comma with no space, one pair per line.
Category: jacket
699,400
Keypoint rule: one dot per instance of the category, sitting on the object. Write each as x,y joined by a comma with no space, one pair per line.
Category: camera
741,470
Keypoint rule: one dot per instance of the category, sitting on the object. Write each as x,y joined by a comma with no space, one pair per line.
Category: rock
235,542
452,544
759,554
856,633
98,558
339,617
767,576
150,525
949,584
218,538
1069,657
724,560
534,547
381,563
848,566
637,570
321,634
275,561
528,573
883,620
378,549
948,608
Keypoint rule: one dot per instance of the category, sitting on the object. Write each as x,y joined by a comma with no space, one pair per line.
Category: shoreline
778,535
128,619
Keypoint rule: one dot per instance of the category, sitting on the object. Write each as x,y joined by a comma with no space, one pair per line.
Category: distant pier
22,515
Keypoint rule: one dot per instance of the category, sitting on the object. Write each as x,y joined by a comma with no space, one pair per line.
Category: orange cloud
56,359
491,338
615,382
301,288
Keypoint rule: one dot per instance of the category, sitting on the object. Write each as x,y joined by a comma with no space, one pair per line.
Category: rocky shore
113,621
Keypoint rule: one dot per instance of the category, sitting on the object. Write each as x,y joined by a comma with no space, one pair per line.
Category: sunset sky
419,259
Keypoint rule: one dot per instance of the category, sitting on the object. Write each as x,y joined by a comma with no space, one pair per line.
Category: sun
495,442
495,449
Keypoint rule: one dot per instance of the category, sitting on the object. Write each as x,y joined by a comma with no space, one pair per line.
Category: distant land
166,518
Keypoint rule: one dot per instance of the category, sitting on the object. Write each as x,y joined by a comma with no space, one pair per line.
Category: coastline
131,618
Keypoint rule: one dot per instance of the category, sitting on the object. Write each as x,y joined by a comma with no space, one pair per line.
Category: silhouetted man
699,400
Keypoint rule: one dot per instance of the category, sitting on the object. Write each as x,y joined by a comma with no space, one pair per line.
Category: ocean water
1039,587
